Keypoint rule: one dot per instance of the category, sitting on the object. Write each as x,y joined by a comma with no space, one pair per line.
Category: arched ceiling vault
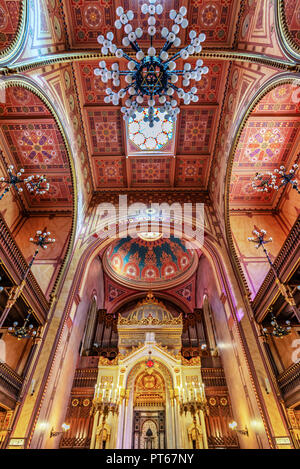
267,138
249,45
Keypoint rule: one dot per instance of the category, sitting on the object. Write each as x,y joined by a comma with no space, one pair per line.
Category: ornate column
126,416
121,420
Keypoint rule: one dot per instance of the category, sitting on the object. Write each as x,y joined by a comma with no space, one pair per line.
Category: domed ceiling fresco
144,264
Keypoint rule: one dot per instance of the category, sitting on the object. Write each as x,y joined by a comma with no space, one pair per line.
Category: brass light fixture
65,427
278,330
233,426
285,290
24,332
34,183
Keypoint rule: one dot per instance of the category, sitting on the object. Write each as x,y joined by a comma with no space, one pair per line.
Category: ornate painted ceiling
250,45
270,139
150,264
9,22
31,139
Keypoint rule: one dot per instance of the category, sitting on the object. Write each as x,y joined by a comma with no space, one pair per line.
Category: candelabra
285,290
278,330
151,76
34,183
104,401
24,332
41,240
205,348
192,399
262,182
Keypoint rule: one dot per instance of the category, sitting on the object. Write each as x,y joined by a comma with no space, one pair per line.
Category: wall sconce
233,426
65,427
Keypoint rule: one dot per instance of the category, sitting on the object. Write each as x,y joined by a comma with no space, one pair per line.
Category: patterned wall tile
216,19
87,19
18,102
266,143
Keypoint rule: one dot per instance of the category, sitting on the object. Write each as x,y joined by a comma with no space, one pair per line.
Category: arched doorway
149,411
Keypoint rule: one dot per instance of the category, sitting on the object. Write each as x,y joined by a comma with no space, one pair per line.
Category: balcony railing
223,442
284,265
11,256
289,380
10,381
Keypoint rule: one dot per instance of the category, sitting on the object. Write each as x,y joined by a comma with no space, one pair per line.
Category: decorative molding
9,54
221,54
283,33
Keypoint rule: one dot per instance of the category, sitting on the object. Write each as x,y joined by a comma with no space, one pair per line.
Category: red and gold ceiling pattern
292,16
9,21
86,19
185,162
32,140
268,141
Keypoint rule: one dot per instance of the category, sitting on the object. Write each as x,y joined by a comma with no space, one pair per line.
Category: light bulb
151,51
110,35
140,55
151,30
164,32
151,21
173,14
130,15
119,11
159,9
177,42
139,32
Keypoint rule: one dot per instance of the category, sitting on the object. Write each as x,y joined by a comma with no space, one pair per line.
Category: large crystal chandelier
151,77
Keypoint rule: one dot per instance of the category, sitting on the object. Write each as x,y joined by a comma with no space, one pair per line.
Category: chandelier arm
175,56
135,46
5,191
130,59
164,48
